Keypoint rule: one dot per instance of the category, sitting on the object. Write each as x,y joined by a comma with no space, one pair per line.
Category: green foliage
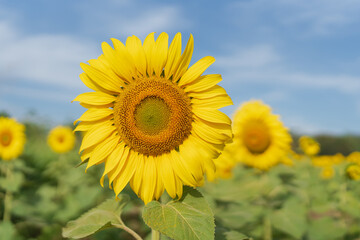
46,190
187,218
291,218
101,217
8,231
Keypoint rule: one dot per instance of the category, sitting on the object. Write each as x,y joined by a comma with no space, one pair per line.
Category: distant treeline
332,144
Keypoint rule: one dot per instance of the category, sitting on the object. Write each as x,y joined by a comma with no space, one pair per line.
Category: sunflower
151,119
225,162
12,138
309,145
354,157
261,138
327,172
353,171
61,139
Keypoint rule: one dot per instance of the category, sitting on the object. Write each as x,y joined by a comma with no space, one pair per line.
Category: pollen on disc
152,115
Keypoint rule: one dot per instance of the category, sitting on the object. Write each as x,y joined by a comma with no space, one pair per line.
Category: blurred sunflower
354,157
225,162
353,171
61,139
12,138
309,145
261,138
327,172
151,119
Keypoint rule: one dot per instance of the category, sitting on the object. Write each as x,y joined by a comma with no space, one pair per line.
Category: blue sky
300,57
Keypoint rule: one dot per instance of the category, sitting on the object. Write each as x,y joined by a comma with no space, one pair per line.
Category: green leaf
188,218
13,182
7,231
236,216
291,219
326,228
103,216
233,235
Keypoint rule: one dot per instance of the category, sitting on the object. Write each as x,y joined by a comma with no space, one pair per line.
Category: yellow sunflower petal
181,170
159,55
120,60
103,150
203,83
95,98
196,70
212,115
101,78
97,135
167,175
95,114
150,177
209,134
149,47
138,176
215,102
126,173
112,161
136,50
174,56
120,164
185,59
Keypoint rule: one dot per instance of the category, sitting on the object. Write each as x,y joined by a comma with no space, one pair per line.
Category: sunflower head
354,157
61,139
152,119
327,172
261,138
226,162
309,145
353,171
12,138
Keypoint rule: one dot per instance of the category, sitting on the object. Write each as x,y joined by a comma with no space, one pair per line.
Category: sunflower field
153,157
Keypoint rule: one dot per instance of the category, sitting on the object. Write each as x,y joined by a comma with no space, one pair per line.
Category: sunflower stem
155,235
8,196
267,227
128,230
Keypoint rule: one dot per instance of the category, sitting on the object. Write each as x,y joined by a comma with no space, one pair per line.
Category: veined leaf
188,218
103,216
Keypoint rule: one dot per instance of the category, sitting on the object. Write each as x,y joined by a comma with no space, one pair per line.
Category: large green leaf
326,228
234,235
7,230
103,216
13,182
188,218
291,219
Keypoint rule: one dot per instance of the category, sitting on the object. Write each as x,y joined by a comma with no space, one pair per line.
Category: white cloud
315,17
134,18
42,58
252,57
154,20
262,64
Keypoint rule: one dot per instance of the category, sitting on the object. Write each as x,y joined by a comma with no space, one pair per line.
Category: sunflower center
5,138
256,137
60,139
153,116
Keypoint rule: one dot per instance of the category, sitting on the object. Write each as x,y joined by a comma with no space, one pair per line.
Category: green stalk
267,228
8,197
155,235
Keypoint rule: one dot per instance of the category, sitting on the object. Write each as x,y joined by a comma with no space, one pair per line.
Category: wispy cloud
311,17
133,18
263,64
42,58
